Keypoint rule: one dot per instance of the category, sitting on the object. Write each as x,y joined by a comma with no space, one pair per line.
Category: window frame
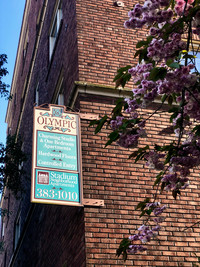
55,28
17,230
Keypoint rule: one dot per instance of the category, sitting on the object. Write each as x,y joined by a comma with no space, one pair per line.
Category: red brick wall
109,175
103,42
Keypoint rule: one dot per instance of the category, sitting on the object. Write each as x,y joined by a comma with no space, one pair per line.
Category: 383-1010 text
52,194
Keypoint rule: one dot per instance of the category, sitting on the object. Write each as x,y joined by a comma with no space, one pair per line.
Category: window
37,95
60,95
9,131
14,104
26,41
3,225
60,100
5,257
38,20
17,230
55,28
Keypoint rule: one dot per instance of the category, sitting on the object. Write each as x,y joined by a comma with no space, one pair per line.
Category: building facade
68,54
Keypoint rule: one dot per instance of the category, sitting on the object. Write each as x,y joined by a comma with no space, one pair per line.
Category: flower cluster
192,107
149,13
132,107
141,71
145,232
129,137
115,124
173,183
128,140
153,160
158,49
182,7
174,82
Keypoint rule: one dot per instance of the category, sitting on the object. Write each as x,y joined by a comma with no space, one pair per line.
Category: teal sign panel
55,185
57,151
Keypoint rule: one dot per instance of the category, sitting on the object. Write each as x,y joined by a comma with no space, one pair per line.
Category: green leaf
124,69
172,4
157,74
122,250
93,122
196,130
129,124
174,109
174,65
157,147
142,53
137,53
173,116
113,137
143,42
125,105
170,153
142,205
126,77
100,123
123,76
163,186
169,61
140,156
164,97
117,76
164,148
142,213
158,178
148,212
139,151
175,193
118,107
140,44
170,100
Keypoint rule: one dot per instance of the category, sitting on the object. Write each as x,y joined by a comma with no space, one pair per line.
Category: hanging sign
56,162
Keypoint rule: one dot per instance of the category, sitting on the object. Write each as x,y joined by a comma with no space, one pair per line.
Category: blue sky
10,21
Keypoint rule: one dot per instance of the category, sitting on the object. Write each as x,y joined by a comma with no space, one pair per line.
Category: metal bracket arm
93,202
87,116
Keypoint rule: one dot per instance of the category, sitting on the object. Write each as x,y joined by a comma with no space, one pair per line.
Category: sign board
56,159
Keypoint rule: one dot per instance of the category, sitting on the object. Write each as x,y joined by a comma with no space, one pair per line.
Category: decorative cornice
97,89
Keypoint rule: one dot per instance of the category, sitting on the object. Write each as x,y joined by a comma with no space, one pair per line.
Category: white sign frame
56,157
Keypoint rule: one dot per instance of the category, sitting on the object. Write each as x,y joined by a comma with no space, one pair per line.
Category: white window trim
55,28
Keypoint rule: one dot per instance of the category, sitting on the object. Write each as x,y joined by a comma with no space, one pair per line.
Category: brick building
68,54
